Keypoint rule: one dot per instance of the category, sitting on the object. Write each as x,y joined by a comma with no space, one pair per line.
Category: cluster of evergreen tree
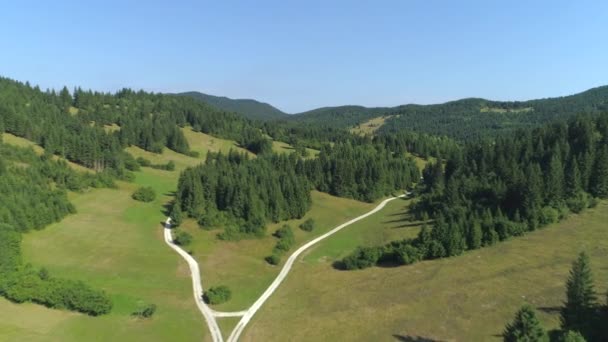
582,317
242,194
491,191
363,170
34,194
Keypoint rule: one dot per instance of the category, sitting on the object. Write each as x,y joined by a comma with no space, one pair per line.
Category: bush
286,241
362,257
182,238
273,259
143,161
578,202
308,225
27,285
144,194
217,295
408,254
548,215
146,311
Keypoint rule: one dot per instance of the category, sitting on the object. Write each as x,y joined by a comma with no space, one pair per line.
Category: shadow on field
403,338
406,225
552,310
338,265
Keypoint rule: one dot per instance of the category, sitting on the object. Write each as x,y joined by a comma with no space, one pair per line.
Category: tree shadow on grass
552,310
404,338
166,210
338,265
407,225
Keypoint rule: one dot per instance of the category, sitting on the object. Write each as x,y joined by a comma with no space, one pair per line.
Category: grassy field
369,127
116,244
113,243
282,147
241,266
203,143
464,298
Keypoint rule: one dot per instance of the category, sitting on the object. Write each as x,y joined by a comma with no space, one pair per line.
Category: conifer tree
573,178
599,176
555,180
580,306
525,327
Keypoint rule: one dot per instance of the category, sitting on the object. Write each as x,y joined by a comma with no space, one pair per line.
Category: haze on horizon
313,54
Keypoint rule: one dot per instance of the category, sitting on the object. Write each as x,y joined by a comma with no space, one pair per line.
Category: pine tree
525,327
573,178
580,306
599,176
474,236
176,214
555,180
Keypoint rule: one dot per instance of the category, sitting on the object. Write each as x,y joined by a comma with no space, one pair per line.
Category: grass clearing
241,266
371,126
283,147
505,110
470,297
203,143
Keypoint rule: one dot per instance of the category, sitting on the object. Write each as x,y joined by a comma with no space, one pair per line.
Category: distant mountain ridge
460,119
249,108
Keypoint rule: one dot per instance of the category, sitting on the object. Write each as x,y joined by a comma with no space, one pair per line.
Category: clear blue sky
313,53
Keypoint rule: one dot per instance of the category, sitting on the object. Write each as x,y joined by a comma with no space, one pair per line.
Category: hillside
251,109
466,118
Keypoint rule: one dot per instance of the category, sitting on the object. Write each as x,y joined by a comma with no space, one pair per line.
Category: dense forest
489,192
243,194
34,194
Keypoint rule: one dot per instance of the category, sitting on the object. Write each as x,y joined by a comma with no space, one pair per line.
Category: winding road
210,314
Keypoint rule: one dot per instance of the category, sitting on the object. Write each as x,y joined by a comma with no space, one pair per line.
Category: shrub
182,238
578,202
146,311
217,295
362,257
170,166
308,225
548,215
273,259
408,254
144,194
286,241
143,161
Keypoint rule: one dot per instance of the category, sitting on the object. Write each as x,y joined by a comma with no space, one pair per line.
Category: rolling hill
465,118
251,109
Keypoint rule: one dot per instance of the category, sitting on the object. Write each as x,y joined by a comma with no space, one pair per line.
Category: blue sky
306,54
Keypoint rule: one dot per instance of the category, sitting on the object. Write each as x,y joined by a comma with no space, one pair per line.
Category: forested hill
251,109
466,118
